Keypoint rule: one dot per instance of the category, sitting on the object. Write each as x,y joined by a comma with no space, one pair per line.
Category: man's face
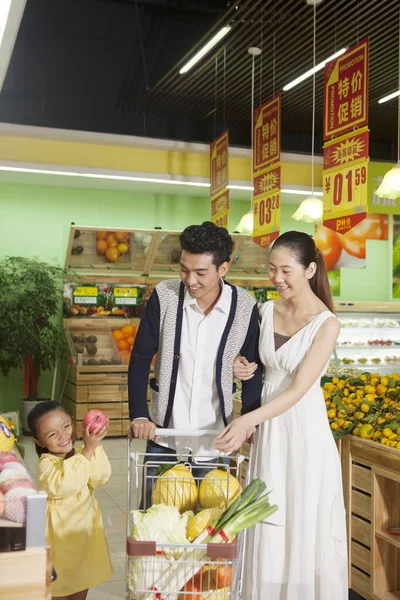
200,276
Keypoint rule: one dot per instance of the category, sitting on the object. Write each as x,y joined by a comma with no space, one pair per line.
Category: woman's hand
243,369
234,435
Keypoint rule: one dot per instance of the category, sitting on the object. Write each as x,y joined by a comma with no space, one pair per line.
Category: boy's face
200,276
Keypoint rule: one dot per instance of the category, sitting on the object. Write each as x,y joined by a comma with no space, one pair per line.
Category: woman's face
287,274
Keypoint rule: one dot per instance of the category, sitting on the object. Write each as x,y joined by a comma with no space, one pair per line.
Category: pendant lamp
390,186
246,222
310,210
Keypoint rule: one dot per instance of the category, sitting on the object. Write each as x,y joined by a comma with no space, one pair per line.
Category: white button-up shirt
196,402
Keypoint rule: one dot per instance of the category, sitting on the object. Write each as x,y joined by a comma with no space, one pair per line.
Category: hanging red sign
219,176
350,149
346,91
267,134
267,206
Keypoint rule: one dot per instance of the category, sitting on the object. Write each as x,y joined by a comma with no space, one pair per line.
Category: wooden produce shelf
371,482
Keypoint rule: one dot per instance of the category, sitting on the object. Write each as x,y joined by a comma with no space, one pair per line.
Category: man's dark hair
207,238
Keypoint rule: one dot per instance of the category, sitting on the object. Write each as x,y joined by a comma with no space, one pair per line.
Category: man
197,327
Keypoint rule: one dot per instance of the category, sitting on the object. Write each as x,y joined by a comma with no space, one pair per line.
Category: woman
305,556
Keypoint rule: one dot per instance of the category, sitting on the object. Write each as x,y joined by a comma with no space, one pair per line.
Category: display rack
371,482
25,566
370,336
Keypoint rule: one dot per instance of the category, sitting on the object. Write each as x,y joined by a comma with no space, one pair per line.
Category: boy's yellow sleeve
100,469
62,478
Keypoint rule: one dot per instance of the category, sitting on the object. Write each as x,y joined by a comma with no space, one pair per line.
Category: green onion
250,507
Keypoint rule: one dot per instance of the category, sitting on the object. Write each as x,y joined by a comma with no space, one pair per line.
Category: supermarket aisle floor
112,500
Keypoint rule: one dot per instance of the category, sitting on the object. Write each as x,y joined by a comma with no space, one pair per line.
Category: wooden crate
23,575
371,482
87,388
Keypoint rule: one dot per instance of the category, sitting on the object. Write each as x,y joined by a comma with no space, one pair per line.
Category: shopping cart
160,570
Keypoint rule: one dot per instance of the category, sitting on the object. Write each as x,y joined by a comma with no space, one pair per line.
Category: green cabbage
162,524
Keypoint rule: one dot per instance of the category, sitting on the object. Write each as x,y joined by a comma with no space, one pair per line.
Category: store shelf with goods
149,256
369,339
25,559
371,483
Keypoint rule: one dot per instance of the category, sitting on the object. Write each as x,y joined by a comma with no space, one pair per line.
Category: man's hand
143,429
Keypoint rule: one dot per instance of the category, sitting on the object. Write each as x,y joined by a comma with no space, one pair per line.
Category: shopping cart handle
186,433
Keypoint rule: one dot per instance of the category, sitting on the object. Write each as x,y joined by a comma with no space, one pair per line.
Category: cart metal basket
201,570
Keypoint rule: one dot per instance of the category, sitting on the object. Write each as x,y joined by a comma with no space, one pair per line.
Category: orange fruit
101,247
101,235
122,248
111,241
131,340
121,236
122,345
112,255
128,330
117,335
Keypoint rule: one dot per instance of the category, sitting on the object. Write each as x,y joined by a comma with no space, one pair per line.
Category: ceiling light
11,12
104,176
390,97
309,211
206,48
301,192
390,186
313,70
246,223
247,188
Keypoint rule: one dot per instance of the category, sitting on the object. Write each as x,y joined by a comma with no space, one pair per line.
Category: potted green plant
30,337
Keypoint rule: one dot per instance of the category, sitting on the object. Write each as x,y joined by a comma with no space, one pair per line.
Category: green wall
35,222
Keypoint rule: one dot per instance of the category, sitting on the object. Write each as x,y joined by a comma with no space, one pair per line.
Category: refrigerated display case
369,338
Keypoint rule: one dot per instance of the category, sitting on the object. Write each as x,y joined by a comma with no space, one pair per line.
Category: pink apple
2,503
95,418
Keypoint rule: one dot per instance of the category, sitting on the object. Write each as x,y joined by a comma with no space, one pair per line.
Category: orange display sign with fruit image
349,249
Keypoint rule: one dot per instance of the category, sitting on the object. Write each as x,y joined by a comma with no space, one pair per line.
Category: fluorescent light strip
206,48
202,184
301,192
318,67
102,176
390,97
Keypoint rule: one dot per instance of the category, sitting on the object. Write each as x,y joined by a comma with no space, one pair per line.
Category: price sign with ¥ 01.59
345,190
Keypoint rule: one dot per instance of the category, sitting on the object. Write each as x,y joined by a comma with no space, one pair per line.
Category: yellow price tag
129,292
345,191
86,291
272,295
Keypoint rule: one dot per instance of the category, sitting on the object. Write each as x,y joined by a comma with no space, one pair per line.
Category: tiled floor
112,500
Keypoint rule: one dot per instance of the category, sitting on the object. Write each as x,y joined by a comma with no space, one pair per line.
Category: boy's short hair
207,238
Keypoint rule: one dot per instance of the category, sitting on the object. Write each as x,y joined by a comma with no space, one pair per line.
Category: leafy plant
30,296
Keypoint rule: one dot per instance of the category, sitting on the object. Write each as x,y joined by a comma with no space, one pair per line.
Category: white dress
305,556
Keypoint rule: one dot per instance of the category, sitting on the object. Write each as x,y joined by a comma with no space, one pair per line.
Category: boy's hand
143,429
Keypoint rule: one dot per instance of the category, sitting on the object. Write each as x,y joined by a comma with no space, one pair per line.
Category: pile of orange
112,244
125,338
